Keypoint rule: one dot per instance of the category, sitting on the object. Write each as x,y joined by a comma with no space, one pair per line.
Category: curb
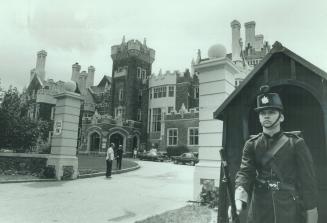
104,173
27,181
79,177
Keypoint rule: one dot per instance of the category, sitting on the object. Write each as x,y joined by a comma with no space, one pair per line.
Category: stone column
64,139
216,82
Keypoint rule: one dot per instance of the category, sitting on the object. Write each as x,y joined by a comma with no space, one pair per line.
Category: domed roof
217,51
70,86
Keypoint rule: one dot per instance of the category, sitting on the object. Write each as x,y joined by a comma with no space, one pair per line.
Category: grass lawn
94,164
187,214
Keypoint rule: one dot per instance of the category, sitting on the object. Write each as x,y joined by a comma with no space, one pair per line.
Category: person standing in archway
120,152
109,158
276,171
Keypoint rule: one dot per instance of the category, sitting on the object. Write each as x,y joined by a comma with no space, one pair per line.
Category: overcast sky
83,31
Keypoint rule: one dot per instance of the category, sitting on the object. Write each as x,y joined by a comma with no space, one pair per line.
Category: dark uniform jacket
296,168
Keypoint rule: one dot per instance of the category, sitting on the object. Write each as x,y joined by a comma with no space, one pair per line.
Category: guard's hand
239,208
312,216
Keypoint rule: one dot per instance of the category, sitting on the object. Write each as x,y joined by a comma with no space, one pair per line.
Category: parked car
151,155
186,158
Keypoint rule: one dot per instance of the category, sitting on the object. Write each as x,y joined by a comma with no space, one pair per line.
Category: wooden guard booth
303,90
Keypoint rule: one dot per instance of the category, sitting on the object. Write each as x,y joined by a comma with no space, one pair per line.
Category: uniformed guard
276,176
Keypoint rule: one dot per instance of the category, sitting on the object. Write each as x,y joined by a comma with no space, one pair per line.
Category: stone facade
187,125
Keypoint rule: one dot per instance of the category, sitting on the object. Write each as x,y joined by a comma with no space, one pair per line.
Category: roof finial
144,41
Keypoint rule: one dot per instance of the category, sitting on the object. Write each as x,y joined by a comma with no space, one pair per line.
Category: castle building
134,107
171,95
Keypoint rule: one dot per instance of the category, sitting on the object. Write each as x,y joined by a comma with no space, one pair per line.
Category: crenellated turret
133,48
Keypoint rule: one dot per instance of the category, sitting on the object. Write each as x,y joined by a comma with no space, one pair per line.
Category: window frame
173,137
193,136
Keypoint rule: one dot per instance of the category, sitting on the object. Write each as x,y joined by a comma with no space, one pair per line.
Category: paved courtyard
152,189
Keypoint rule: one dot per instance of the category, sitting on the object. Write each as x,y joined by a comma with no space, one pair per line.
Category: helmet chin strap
274,123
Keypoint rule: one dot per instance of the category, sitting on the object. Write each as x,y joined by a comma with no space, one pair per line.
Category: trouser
109,165
119,163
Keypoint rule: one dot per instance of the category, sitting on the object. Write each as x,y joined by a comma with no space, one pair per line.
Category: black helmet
268,100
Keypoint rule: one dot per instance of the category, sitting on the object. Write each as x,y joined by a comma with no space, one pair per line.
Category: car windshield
187,155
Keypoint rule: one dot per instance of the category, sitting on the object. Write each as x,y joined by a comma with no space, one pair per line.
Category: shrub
49,172
68,172
176,150
31,165
209,194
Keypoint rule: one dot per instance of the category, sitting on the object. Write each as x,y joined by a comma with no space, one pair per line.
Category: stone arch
94,139
118,136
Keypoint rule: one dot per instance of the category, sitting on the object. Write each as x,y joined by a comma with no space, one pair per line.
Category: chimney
40,64
250,33
90,76
258,42
82,82
236,35
76,68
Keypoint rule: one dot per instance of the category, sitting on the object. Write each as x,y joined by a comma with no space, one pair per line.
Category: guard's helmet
268,100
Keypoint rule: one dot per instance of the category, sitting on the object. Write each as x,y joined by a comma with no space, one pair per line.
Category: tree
18,131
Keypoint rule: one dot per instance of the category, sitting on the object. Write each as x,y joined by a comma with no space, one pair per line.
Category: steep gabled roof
34,82
277,48
104,80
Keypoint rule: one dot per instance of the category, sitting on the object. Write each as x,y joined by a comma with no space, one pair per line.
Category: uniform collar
275,136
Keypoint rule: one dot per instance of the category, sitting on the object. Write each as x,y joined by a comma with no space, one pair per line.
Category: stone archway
94,142
118,139
136,142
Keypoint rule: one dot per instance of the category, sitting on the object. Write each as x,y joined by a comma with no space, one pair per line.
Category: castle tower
236,35
250,33
132,66
132,63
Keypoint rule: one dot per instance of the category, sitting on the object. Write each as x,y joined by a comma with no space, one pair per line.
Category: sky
83,31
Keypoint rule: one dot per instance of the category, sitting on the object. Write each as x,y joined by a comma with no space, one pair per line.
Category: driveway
154,188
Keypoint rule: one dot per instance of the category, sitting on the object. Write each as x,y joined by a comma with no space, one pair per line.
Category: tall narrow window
172,135
156,120
138,73
149,121
143,74
155,92
121,94
193,136
140,96
196,92
139,115
171,91
150,93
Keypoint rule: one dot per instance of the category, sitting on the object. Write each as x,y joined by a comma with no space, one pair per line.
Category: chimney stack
40,64
90,76
250,33
76,68
236,35
258,42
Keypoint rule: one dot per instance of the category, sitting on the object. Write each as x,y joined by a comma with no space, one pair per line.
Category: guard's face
269,116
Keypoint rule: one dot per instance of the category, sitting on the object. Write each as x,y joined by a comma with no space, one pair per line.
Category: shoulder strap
272,151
